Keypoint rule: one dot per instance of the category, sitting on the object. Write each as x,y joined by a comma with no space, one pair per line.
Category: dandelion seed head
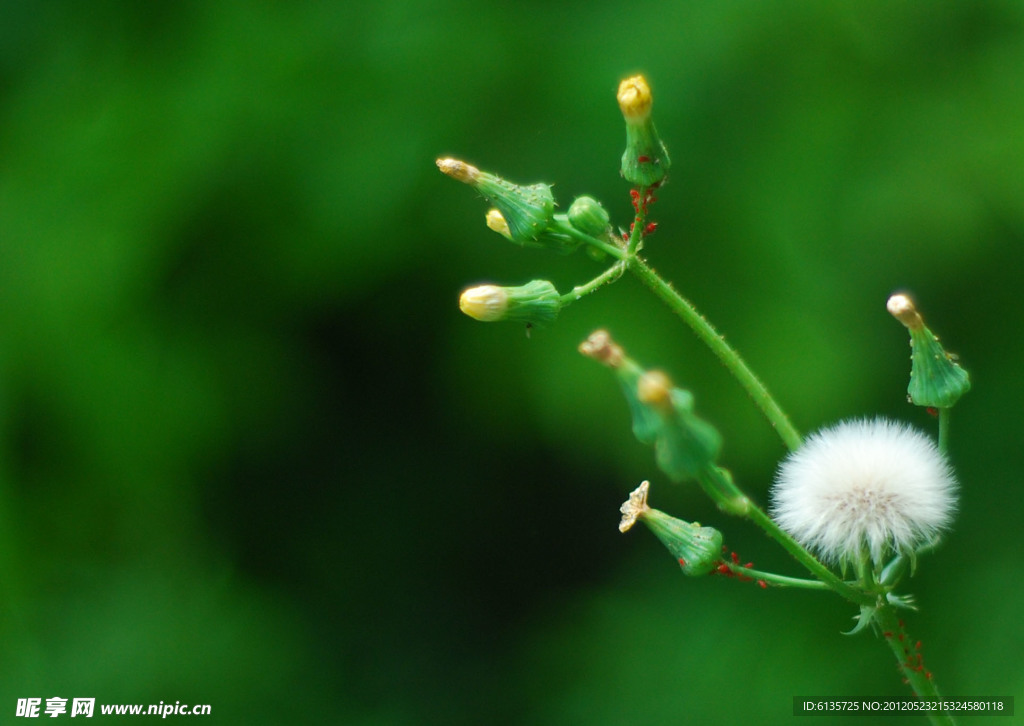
864,486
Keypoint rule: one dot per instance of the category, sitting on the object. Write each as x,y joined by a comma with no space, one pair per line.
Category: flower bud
551,239
685,446
645,161
536,303
695,548
497,223
527,210
587,215
486,303
935,378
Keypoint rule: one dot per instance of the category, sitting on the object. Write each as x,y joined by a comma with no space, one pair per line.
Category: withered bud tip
602,348
634,507
902,308
459,170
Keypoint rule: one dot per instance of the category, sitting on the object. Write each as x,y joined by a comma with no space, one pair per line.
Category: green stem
944,414
602,245
610,275
910,661
726,353
805,558
723,491
639,221
777,580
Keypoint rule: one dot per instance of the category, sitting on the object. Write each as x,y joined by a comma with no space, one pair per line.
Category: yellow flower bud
497,223
485,302
645,160
635,99
535,303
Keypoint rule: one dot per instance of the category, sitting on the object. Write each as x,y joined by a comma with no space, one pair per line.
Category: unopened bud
635,99
552,238
527,210
587,215
654,388
645,161
685,446
497,223
484,302
936,379
536,303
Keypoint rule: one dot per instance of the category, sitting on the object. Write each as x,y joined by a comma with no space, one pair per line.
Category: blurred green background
252,455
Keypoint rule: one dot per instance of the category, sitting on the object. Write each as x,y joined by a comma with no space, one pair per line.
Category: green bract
536,303
696,548
935,378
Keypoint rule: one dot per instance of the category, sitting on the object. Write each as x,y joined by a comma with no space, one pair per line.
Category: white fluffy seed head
864,486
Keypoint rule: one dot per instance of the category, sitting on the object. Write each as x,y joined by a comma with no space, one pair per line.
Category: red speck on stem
763,584
887,634
932,411
682,562
643,159
735,558
723,569
918,646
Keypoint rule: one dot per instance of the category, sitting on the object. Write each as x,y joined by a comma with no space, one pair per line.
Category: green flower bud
695,548
551,239
527,210
685,446
601,347
587,215
536,303
935,378
645,161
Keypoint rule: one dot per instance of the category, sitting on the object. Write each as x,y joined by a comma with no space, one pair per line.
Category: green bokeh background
251,454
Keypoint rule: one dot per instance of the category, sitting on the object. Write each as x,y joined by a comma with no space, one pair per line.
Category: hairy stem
776,580
725,352
910,661
610,275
